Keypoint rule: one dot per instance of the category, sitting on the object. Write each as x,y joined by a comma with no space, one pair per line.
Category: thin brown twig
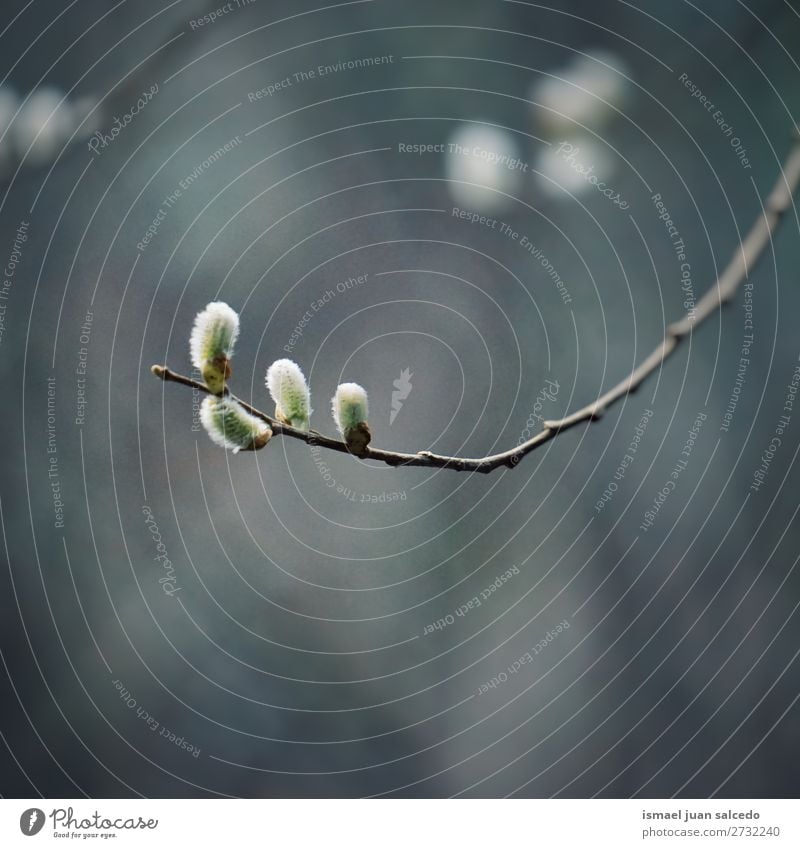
740,265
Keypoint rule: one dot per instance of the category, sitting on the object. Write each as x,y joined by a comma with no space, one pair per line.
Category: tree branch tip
160,371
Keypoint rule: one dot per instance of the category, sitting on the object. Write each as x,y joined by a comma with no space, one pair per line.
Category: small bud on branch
349,408
215,331
231,427
289,390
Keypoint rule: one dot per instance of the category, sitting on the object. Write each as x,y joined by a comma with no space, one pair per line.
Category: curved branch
741,263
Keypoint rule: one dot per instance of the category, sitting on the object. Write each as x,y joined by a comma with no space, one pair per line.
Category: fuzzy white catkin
230,426
42,126
289,390
214,334
349,406
37,133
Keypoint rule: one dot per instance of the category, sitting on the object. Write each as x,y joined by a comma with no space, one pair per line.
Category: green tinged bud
350,409
230,426
214,334
289,390
349,406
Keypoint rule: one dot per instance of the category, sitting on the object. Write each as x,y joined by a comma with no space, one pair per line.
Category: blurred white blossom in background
586,93
483,166
35,130
569,106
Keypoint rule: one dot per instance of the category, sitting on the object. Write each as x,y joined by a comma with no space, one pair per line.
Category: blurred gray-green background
301,635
